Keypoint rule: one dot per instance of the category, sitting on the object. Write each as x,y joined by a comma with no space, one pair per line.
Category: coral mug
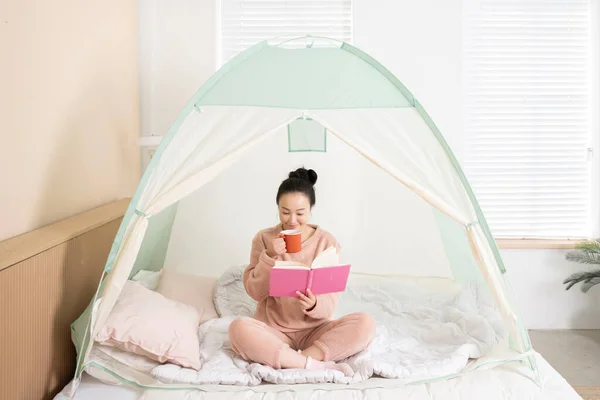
293,240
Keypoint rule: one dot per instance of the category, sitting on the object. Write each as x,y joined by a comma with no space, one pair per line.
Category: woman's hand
307,302
276,247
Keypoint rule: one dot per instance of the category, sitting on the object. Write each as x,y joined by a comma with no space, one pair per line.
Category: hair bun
304,174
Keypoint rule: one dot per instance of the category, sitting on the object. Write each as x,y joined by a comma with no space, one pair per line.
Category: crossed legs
255,341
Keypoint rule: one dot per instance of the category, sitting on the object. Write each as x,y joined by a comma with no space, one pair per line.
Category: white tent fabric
208,141
399,141
491,273
396,139
212,138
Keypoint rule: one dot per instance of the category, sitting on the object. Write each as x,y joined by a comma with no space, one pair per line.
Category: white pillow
231,297
145,322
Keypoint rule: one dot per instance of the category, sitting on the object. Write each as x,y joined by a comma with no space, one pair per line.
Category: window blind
247,22
528,115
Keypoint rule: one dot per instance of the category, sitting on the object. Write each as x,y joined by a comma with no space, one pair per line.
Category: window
243,23
529,95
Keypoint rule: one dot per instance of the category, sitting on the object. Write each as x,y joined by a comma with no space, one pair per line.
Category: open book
325,275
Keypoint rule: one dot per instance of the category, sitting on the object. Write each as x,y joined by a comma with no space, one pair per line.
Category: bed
435,340
60,249
508,381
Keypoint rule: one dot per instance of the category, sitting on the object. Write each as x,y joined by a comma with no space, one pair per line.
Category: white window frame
594,189
218,41
218,30
595,118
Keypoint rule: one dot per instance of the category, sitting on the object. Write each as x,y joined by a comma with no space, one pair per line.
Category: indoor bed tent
308,88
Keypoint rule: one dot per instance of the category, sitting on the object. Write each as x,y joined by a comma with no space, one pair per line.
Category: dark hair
299,181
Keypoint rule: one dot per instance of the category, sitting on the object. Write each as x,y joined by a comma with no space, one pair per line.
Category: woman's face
294,211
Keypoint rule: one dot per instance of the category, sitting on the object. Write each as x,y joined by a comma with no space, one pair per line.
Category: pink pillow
194,290
147,323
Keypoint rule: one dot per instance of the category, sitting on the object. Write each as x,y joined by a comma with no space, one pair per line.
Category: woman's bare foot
322,365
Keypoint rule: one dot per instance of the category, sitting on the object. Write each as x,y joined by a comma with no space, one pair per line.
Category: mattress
435,340
507,381
91,388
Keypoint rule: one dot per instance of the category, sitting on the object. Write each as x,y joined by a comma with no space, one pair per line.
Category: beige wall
68,108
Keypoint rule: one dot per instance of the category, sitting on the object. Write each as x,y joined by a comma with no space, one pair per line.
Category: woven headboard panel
47,278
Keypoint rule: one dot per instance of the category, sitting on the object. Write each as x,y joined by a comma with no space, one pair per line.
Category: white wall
420,42
536,277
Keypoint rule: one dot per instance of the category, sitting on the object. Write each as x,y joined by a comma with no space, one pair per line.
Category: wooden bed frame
47,278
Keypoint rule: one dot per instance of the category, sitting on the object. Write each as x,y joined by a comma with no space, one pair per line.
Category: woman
296,332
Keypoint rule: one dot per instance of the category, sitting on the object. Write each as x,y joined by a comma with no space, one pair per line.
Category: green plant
587,252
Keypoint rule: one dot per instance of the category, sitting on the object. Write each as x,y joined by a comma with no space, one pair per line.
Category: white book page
327,258
290,264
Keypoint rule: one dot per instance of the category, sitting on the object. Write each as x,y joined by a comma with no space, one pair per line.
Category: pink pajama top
283,313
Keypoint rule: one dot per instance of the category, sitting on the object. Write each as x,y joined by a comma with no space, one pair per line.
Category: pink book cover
326,275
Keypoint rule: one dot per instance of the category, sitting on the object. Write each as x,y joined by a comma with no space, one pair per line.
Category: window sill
537,243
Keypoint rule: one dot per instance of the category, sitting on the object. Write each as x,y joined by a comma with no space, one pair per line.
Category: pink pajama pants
255,341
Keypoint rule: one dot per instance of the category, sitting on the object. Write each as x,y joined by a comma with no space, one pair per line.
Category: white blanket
422,333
